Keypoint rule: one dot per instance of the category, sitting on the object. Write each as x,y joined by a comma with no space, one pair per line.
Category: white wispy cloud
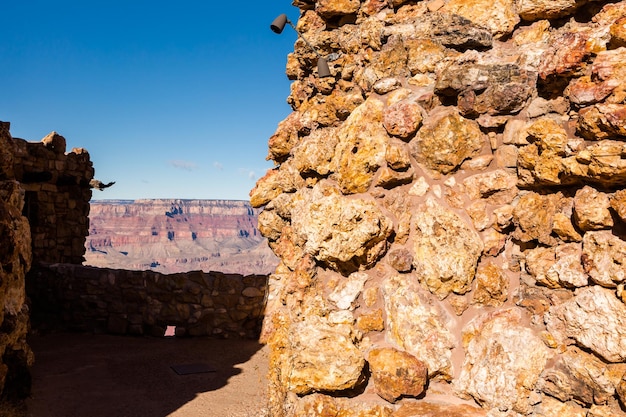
186,165
248,173
218,165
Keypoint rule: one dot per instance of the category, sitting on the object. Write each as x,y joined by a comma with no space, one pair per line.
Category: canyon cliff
449,211
171,236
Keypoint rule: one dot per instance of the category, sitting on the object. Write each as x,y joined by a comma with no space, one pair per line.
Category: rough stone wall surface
449,211
44,204
15,260
57,197
82,298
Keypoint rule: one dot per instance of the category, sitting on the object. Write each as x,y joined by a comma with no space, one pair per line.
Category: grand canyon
172,236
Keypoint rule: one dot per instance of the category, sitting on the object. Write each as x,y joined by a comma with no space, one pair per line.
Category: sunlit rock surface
419,327
397,373
594,318
451,195
446,250
496,372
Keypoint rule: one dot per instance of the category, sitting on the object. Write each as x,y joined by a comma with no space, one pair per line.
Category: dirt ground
85,375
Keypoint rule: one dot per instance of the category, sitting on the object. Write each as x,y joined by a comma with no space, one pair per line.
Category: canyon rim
173,235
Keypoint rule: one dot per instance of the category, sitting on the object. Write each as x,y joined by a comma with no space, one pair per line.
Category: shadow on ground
113,376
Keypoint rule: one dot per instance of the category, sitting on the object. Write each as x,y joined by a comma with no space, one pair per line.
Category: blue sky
172,99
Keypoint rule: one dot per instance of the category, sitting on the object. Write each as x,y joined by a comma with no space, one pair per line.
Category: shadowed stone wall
449,211
116,301
56,197
44,207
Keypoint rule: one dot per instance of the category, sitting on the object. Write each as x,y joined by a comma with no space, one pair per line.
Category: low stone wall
81,298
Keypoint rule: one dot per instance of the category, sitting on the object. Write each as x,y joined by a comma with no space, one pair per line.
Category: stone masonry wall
57,194
44,207
118,301
449,209
15,260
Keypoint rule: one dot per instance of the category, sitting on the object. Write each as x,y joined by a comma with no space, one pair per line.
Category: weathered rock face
323,358
594,319
339,231
580,376
446,250
397,373
450,202
417,326
446,140
497,372
171,236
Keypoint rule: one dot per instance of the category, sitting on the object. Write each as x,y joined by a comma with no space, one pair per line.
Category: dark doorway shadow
103,376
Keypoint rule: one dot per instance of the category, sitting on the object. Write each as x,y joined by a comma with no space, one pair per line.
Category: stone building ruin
450,213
